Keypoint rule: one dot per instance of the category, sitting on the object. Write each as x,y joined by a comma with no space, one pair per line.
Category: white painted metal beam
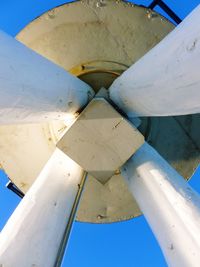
170,205
34,89
35,233
166,80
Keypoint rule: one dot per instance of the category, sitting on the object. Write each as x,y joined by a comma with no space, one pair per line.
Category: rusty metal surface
80,33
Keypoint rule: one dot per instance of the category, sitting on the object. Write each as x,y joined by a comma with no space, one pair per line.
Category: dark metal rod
14,189
70,223
153,4
165,8
170,12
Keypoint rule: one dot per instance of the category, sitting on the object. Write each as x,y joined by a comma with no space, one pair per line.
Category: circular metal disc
72,35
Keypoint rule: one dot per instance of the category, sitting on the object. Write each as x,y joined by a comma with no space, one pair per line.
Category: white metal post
34,89
166,80
170,205
40,225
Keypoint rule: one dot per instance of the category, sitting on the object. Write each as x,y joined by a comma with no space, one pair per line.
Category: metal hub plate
101,140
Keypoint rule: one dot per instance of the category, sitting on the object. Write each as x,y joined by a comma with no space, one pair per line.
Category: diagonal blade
41,223
166,81
33,89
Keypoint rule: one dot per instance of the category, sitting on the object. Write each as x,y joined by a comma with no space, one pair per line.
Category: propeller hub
99,73
101,140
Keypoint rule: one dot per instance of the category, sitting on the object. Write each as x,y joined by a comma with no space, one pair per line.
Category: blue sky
124,244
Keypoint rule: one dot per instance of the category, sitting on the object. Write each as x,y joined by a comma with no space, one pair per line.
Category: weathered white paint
170,205
166,80
33,89
34,233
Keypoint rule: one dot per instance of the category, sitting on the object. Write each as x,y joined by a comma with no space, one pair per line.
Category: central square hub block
101,140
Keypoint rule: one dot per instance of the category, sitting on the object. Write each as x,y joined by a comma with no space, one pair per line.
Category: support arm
166,80
170,205
34,89
35,233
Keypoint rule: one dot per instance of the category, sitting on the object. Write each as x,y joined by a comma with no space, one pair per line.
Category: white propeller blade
33,235
33,89
170,205
166,81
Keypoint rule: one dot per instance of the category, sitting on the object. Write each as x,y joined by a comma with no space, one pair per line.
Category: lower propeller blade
170,205
33,89
37,231
166,81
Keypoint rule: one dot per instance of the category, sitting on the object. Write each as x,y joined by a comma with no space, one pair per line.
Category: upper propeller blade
166,81
33,89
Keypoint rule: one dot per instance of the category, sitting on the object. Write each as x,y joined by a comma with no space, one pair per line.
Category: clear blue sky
124,244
